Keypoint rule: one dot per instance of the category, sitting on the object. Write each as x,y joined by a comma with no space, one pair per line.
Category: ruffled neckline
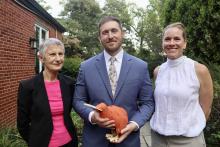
175,62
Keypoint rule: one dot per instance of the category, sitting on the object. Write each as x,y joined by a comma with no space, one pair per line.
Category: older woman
183,95
44,102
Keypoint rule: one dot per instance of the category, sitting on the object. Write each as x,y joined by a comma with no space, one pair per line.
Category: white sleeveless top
177,108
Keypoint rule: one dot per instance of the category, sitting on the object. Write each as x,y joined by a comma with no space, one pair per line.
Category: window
41,35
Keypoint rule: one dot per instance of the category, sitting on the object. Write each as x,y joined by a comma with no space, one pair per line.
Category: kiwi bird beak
93,107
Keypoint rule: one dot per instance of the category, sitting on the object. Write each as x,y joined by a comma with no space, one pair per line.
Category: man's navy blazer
133,93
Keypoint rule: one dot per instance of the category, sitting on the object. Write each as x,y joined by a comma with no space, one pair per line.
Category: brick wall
17,59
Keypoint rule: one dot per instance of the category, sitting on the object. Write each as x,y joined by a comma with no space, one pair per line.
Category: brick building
20,22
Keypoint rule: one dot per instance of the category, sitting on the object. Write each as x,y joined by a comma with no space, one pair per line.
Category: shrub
9,137
71,66
212,130
78,122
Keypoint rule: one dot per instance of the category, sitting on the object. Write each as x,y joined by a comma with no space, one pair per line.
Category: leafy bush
71,66
9,137
78,122
212,130
215,70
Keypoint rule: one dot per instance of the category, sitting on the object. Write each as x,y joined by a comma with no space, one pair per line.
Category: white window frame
40,40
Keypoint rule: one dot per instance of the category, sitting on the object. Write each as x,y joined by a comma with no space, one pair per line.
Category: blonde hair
178,25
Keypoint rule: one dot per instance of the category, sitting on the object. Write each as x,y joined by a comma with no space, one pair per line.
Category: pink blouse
60,135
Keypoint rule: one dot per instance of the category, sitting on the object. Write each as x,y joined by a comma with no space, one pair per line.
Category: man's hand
102,122
126,131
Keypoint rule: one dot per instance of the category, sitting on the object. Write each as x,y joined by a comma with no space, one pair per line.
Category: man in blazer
133,90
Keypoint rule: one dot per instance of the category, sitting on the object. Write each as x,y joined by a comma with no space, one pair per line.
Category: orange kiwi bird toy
116,113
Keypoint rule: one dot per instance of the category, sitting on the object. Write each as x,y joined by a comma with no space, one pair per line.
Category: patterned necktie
112,74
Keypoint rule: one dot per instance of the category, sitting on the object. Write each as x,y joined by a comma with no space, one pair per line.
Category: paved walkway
145,136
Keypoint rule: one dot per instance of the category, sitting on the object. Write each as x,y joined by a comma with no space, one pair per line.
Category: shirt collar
118,56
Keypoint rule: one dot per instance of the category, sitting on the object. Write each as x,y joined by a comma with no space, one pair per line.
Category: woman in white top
183,95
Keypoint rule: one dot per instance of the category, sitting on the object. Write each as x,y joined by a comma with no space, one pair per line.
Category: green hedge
212,130
71,66
9,137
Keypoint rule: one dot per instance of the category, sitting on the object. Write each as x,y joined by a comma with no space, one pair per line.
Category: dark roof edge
35,8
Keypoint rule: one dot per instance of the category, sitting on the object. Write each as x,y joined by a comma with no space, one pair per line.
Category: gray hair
48,42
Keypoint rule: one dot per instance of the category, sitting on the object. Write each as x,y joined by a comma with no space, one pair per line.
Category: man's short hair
107,19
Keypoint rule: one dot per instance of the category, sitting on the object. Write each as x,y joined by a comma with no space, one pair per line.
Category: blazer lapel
101,67
64,92
41,90
126,64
